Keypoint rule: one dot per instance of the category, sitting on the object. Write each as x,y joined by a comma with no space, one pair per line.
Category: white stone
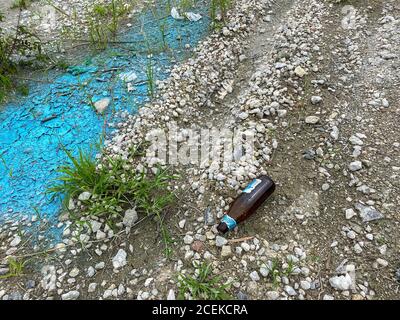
71,295
350,213
335,133
355,166
74,272
264,271
356,140
102,104
92,287
188,239
220,241
100,265
245,246
305,285
369,236
343,282
84,196
119,259
96,225
312,120
290,291
100,235
382,262
357,248
272,295
16,241
316,99
130,217
171,295
299,71
226,251
91,272
254,276
182,223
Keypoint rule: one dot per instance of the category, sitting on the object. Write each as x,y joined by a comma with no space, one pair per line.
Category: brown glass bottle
247,203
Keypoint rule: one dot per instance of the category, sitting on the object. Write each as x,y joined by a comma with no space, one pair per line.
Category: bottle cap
223,228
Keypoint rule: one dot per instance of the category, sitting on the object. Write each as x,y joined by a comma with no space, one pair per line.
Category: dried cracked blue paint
59,113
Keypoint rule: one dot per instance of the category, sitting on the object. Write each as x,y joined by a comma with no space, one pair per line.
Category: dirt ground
309,166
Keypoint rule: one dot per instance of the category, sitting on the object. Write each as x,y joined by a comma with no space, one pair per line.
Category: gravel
271,98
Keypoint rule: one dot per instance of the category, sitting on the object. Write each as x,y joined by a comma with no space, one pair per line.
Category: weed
20,4
274,272
62,64
98,35
218,12
100,10
38,213
16,268
23,89
204,286
150,78
186,5
162,27
114,187
105,20
380,240
23,43
290,268
78,177
167,240
9,169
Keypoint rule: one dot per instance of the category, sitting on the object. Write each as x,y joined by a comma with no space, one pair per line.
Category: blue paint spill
59,113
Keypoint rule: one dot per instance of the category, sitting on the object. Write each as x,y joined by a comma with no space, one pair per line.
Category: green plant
100,10
290,268
23,43
274,272
23,89
78,177
167,240
98,35
186,5
114,187
204,286
20,4
150,78
162,27
16,268
105,20
38,213
219,7
9,169
62,64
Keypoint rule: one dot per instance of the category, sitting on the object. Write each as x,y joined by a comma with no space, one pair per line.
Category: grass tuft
16,268
105,21
24,43
151,86
20,4
204,286
114,187
218,12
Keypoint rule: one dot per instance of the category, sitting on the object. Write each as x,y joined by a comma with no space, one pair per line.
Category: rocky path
319,83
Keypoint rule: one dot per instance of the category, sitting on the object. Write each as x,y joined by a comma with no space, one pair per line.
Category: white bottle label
252,185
